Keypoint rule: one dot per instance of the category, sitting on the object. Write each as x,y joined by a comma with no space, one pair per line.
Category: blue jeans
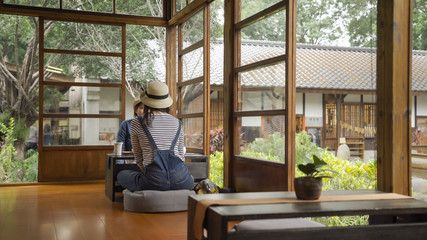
154,179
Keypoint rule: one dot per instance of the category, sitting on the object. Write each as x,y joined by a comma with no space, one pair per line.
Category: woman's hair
136,108
148,116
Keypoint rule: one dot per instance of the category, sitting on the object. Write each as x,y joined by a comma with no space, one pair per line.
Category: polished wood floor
78,212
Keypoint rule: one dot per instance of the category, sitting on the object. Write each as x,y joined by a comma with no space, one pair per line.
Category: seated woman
123,135
158,146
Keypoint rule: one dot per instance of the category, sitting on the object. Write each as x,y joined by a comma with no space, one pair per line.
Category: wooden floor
78,212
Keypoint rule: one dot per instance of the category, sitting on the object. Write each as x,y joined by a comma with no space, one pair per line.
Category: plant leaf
318,162
309,169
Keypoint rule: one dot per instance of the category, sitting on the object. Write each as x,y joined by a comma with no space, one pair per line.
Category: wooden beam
188,12
394,95
74,15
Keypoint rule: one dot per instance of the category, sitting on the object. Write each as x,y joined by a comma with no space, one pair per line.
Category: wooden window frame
232,67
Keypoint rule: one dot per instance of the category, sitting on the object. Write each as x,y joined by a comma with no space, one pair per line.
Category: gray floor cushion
274,224
156,201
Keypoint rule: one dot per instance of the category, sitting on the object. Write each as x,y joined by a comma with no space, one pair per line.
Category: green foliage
13,169
304,147
216,168
8,151
316,22
351,174
271,148
20,130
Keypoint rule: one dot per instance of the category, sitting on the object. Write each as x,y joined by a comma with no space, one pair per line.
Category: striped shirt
163,130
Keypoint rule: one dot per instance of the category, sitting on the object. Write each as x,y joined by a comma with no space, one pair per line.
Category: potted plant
309,187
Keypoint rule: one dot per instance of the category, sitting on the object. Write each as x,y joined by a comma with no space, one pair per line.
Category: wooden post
171,66
229,88
290,122
394,58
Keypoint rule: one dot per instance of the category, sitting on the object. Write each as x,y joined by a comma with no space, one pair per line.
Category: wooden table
197,165
379,211
114,164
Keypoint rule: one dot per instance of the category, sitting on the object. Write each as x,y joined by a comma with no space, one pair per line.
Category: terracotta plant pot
308,188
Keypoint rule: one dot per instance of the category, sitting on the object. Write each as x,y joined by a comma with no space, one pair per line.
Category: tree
420,25
317,22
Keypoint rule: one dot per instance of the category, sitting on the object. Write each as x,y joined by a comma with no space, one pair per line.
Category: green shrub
8,151
12,169
216,168
270,148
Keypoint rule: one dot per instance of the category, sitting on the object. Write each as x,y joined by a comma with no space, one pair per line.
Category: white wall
313,110
422,105
369,98
413,112
354,98
299,104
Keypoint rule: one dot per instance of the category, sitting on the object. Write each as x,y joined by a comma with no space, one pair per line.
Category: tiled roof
318,67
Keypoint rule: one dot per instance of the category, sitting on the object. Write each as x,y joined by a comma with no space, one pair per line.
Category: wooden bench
391,217
405,231
197,164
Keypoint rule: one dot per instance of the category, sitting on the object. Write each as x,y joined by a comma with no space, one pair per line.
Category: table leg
109,181
217,226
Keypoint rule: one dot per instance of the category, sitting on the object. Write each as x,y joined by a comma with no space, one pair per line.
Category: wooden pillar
394,95
229,87
171,65
290,122
206,82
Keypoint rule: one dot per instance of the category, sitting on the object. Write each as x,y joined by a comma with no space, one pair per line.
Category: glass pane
180,4
250,7
87,5
81,100
192,98
193,132
193,30
145,55
269,97
264,39
82,68
35,3
141,8
336,51
80,131
192,64
84,37
263,137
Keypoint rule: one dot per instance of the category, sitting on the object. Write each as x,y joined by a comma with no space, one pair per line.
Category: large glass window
419,99
82,87
261,81
193,84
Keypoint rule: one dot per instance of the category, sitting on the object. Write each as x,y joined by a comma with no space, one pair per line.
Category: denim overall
168,171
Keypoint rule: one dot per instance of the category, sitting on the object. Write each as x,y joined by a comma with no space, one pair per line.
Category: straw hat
157,96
